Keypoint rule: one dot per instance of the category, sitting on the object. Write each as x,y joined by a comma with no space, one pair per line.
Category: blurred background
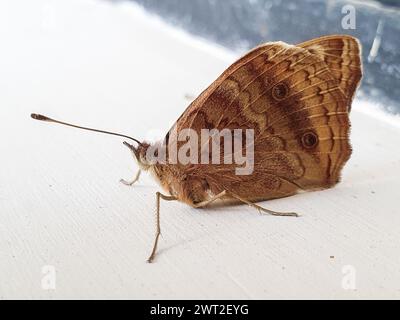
242,24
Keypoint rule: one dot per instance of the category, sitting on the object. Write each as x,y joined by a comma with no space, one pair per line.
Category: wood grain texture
61,203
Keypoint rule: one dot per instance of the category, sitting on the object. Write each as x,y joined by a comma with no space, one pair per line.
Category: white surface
113,67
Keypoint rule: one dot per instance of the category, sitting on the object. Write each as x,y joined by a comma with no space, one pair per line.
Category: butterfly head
139,153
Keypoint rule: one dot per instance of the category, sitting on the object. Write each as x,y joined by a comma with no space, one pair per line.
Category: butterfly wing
342,55
299,114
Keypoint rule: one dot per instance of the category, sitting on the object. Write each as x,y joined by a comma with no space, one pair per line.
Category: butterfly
296,99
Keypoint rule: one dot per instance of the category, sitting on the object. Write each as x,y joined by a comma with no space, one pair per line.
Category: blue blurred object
244,24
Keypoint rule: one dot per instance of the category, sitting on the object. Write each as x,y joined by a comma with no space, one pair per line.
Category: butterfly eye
309,140
280,91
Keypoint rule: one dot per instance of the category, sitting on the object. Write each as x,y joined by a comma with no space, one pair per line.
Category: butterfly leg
206,202
259,208
136,178
158,230
129,183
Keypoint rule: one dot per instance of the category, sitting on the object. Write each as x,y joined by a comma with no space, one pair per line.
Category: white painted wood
114,67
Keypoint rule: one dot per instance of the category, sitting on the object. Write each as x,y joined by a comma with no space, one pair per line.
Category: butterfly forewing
342,54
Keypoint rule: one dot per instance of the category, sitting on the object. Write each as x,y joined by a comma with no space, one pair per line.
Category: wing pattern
297,99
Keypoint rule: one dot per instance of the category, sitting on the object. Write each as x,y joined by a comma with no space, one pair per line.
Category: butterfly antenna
44,118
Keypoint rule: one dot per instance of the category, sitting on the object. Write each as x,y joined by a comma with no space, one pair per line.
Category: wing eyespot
280,91
309,140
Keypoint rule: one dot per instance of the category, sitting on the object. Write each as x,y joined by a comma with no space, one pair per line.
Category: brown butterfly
295,98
